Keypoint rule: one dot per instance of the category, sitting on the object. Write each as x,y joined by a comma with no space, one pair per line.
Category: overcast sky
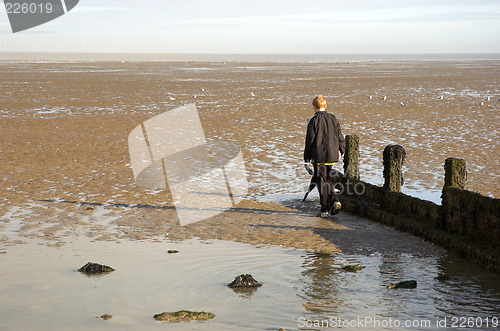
266,26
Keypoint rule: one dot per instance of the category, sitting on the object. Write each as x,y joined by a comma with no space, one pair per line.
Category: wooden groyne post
351,157
393,159
455,177
455,173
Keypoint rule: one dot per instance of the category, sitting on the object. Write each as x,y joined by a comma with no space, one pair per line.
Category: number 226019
28,8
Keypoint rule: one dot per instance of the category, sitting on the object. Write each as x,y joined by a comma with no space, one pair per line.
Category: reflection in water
245,292
390,256
40,285
321,287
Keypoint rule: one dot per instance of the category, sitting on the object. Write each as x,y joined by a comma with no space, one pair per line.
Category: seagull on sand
172,98
384,98
402,104
440,97
252,94
482,103
370,97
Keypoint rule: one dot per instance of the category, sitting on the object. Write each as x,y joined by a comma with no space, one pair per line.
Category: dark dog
312,185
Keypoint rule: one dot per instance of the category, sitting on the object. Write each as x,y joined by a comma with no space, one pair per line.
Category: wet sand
64,128
69,176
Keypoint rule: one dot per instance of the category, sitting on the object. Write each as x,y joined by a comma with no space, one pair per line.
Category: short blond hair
319,102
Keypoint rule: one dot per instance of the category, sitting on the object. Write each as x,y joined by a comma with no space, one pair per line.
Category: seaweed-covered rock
172,251
405,284
106,317
244,281
183,315
352,267
95,268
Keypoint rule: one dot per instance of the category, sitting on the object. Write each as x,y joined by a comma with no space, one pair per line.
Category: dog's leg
309,189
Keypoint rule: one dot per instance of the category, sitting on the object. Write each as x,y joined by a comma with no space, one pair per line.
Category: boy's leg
325,186
333,201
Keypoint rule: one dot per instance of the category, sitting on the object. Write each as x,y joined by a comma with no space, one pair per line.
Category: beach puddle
41,288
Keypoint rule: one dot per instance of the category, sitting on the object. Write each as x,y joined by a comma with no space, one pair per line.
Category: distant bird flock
370,97
441,97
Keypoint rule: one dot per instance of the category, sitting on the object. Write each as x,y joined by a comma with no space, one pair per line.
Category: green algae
353,268
183,315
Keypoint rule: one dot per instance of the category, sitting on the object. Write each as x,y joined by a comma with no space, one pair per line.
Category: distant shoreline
279,58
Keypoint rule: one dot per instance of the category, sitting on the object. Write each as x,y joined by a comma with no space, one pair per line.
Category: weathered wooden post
393,159
455,176
455,173
351,156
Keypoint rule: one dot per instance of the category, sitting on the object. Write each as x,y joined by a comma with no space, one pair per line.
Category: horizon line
242,57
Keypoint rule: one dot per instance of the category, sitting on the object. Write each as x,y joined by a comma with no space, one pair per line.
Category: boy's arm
341,140
309,139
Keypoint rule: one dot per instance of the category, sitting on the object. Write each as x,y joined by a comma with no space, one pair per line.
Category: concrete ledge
425,218
424,211
466,222
471,215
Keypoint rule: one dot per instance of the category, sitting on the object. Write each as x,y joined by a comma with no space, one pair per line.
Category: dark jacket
324,139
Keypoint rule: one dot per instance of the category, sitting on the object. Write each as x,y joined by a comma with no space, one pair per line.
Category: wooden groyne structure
466,222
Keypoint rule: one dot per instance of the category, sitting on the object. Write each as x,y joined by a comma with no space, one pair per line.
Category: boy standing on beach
324,145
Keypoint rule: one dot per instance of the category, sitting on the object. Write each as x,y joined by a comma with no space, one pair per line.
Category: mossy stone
244,281
95,268
183,315
352,267
405,284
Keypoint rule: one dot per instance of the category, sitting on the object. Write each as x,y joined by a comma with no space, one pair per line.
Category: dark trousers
322,178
